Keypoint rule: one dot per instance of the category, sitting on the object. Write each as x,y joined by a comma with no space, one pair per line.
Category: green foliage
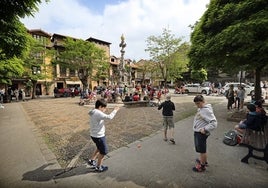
199,75
102,71
85,57
167,52
179,63
146,67
36,58
14,40
10,68
13,47
17,8
232,35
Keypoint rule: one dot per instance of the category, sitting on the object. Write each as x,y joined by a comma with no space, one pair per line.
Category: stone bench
136,104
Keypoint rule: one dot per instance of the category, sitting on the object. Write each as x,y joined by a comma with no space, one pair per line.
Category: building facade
60,77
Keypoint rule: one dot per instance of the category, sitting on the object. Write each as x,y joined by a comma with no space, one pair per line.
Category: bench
136,103
256,142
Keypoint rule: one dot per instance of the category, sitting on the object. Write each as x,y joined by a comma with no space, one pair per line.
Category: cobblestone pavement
65,129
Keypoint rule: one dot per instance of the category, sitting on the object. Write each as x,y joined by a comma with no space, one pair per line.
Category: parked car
249,89
197,88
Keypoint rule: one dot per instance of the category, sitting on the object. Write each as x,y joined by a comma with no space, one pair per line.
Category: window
72,72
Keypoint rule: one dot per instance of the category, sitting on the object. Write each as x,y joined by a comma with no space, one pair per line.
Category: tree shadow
42,174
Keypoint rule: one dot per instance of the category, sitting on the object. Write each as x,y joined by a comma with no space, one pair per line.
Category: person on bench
127,98
251,121
261,112
136,97
259,109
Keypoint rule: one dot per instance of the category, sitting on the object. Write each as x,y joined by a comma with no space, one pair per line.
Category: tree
35,64
11,9
85,57
102,73
13,47
179,63
199,75
14,41
163,50
232,35
145,67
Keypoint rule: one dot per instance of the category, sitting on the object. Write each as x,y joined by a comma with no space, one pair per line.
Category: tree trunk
34,88
257,84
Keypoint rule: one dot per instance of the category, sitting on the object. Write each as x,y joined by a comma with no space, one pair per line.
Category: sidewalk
149,162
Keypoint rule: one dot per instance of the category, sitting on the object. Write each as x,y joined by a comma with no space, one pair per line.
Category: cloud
136,19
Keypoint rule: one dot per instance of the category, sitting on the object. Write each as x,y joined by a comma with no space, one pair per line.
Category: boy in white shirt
97,133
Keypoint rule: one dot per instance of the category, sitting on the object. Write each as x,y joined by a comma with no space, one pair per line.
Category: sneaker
199,168
101,168
172,141
165,139
198,162
92,163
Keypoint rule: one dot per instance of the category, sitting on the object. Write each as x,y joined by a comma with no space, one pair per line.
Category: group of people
204,122
17,93
235,97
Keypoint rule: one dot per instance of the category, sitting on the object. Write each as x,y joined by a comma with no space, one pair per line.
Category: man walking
168,121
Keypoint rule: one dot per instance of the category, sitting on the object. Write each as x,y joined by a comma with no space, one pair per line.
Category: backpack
231,138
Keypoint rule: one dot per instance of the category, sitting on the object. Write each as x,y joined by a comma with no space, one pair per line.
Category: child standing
204,122
97,133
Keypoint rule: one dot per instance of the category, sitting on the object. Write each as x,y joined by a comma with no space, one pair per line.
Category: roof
39,32
98,41
61,36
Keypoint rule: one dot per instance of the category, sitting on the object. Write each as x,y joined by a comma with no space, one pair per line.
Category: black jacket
168,107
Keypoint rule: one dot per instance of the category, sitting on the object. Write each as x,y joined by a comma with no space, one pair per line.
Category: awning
73,82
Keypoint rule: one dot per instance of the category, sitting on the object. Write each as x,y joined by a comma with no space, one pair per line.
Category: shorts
200,142
168,122
101,144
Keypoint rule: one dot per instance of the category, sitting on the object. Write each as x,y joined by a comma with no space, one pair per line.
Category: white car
197,88
249,89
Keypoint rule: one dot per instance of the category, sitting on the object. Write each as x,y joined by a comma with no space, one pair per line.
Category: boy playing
97,133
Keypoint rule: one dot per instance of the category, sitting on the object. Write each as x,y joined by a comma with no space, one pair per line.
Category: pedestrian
97,133
230,97
168,121
241,97
22,94
204,122
16,92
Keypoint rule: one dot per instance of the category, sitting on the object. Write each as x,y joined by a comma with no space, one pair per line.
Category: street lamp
36,70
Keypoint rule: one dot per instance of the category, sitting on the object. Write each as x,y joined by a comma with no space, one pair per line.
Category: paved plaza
140,158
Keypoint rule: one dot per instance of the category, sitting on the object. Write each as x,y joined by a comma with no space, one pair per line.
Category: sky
107,20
